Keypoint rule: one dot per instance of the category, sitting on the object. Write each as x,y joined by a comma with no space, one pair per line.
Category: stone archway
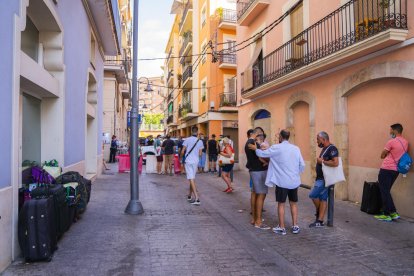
393,69
309,99
251,119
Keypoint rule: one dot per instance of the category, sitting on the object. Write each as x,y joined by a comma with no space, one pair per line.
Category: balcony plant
203,98
219,13
386,3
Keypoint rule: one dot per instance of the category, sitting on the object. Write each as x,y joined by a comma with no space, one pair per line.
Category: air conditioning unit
212,105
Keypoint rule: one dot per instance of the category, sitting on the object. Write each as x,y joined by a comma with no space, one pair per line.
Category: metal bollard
331,201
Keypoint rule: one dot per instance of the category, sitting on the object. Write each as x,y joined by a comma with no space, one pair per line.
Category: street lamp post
134,206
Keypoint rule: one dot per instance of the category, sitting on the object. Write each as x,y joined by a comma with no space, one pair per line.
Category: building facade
345,67
52,89
205,94
117,85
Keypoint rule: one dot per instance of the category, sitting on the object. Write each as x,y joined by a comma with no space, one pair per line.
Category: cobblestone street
176,238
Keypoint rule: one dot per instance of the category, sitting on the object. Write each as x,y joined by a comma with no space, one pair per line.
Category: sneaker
189,198
262,226
316,224
383,218
395,216
279,230
295,229
195,202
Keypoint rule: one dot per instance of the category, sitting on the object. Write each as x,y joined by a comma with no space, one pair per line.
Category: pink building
345,67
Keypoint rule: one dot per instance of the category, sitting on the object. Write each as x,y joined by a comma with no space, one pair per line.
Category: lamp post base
134,207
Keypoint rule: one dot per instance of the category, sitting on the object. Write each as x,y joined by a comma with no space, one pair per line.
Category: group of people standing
280,166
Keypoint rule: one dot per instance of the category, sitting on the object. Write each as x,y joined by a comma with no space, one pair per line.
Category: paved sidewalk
176,238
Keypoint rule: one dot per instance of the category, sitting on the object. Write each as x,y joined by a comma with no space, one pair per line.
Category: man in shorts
192,150
168,147
212,151
286,165
258,171
319,194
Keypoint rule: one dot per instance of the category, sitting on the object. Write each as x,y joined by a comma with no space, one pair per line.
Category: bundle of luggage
49,203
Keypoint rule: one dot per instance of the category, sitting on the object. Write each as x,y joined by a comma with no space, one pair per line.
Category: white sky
155,23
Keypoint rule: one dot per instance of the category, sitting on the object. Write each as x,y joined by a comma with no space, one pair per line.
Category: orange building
207,83
345,67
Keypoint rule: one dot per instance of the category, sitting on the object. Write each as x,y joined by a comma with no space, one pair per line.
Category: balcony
228,19
185,110
187,18
228,99
118,65
187,43
248,10
170,96
348,33
170,119
187,77
124,88
227,61
170,78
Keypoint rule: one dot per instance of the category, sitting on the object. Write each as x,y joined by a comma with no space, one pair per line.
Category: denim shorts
319,191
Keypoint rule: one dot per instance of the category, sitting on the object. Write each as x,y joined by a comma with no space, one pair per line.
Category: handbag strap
325,150
188,153
403,153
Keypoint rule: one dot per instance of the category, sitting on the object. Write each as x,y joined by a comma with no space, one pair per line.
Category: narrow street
176,238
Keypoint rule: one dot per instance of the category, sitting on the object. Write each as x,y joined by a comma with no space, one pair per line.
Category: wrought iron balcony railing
152,127
187,7
229,16
114,60
188,73
170,119
228,99
243,6
227,58
355,21
186,105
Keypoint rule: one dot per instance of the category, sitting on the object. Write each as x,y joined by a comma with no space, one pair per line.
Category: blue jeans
319,191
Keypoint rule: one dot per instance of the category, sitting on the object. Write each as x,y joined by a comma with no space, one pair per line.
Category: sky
154,27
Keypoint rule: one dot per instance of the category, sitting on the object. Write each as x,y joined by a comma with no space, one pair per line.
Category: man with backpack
392,154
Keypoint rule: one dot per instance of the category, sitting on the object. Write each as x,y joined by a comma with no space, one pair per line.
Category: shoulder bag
333,175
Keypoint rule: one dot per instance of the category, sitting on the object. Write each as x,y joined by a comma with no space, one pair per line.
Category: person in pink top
393,150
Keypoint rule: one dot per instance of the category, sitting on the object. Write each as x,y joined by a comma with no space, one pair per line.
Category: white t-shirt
194,156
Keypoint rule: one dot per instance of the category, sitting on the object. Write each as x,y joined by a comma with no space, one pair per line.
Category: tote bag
333,175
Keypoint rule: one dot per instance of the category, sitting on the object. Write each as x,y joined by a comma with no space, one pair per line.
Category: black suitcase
58,193
371,198
88,185
36,229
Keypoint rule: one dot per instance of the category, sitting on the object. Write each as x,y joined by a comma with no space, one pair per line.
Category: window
203,91
296,27
203,50
203,16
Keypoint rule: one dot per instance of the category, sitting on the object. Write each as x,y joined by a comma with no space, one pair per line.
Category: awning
248,73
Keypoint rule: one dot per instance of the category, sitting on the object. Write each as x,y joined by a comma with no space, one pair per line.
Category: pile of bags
49,202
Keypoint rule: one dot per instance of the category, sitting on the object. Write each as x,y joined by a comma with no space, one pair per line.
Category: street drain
268,264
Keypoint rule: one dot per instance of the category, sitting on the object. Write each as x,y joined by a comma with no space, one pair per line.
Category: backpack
405,162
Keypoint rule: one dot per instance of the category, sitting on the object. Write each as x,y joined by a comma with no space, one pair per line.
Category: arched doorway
366,104
91,146
300,121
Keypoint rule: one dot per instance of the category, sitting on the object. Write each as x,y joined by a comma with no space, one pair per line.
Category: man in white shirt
192,150
286,165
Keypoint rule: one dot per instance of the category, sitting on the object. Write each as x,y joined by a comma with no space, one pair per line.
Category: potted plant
203,98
